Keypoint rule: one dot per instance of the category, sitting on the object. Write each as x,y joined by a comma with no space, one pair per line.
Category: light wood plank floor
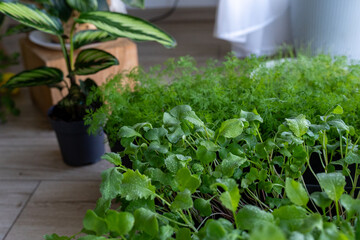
39,194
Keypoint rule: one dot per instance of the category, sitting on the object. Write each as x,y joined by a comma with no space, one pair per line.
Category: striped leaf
35,77
123,25
32,17
83,5
91,36
90,61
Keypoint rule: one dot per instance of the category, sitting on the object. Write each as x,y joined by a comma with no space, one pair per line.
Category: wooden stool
36,56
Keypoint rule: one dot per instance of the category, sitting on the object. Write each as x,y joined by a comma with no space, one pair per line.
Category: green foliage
249,217
35,77
7,103
50,19
296,192
251,186
90,61
219,91
84,5
32,17
122,25
333,184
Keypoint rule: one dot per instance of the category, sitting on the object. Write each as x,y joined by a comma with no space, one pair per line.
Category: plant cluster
110,26
219,90
193,182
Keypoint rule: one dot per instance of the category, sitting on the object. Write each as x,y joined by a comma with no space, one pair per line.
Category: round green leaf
203,206
321,199
205,156
186,180
271,231
333,184
94,223
231,128
145,220
249,217
298,125
296,192
182,200
290,217
119,222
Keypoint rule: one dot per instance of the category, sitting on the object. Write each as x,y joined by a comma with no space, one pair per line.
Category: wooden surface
39,194
36,56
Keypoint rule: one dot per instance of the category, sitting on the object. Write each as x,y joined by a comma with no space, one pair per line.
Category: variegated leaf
123,25
32,17
35,77
90,61
85,37
83,5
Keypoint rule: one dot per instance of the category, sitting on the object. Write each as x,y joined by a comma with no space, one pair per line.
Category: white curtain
254,26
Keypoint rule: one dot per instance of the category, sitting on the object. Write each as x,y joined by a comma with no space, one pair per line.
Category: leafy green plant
7,104
109,25
193,182
219,90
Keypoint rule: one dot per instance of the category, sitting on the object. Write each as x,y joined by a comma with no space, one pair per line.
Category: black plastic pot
78,148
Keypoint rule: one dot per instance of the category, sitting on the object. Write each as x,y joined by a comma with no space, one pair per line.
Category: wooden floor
39,194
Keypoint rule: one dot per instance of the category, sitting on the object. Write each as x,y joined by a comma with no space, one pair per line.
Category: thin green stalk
189,144
162,199
347,143
341,150
258,133
72,46
183,217
337,210
352,149
325,150
171,220
67,60
352,193
257,199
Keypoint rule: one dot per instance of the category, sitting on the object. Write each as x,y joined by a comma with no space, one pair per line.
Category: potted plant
193,182
67,115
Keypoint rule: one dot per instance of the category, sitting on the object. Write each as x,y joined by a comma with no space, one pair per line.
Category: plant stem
325,150
337,210
355,181
72,46
258,133
171,220
67,60
183,217
341,149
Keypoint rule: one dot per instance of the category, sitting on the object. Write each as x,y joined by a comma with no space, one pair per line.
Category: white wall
182,3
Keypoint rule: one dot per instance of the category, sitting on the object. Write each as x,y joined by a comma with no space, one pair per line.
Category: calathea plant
109,26
192,182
